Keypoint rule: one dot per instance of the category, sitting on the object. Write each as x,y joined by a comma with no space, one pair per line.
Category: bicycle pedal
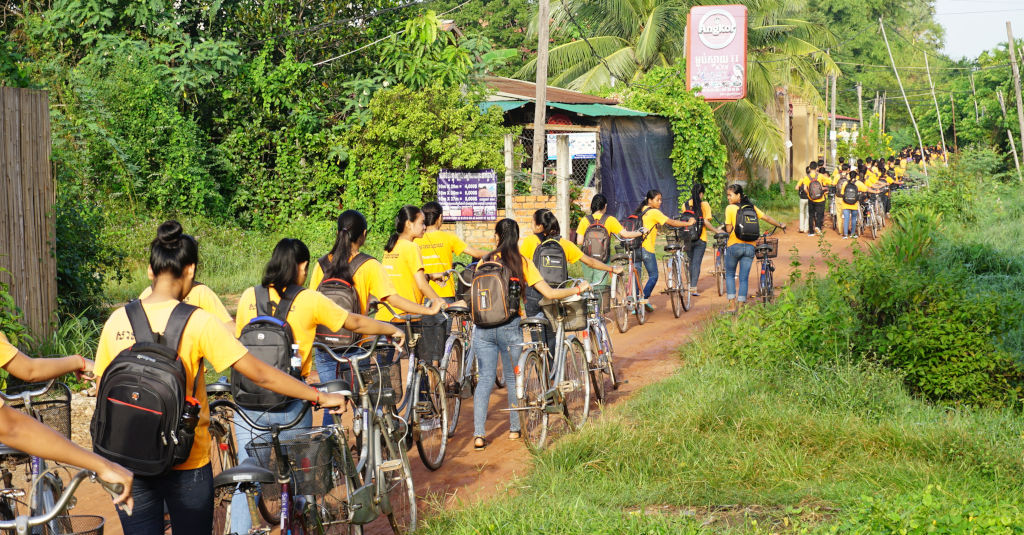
566,387
424,407
391,465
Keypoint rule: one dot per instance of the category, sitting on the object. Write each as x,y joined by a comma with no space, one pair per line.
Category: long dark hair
738,190
546,219
598,203
651,195
406,214
432,211
351,229
695,202
507,251
172,250
283,269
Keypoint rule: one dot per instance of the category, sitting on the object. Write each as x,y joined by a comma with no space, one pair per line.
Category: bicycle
765,250
677,271
597,346
868,219
50,403
78,524
459,364
721,240
626,295
833,210
553,384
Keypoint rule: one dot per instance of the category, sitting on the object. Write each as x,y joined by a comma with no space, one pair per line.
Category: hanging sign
468,195
716,51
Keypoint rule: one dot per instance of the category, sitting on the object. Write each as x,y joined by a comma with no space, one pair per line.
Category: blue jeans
188,495
741,254
240,519
488,345
651,264
849,222
696,254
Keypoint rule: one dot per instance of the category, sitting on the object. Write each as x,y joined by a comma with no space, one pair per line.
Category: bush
927,512
11,315
86,259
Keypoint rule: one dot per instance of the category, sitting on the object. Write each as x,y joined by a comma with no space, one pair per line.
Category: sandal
514,435
479,443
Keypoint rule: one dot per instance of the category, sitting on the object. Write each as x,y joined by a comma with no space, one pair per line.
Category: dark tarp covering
635,158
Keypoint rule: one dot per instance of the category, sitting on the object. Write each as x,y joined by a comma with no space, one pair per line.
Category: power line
979,12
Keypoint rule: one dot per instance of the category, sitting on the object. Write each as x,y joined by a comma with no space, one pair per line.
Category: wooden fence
27,195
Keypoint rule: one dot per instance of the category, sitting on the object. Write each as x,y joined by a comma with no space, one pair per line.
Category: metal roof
511,89
590,110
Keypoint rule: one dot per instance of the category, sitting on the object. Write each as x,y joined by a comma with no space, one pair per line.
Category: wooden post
885,102
952,105
1012,45
564,167
938,115
833,140
1009,135
899,80
510,185
540,102
860,104
974,93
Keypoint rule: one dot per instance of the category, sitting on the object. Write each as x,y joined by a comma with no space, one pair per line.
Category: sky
973,26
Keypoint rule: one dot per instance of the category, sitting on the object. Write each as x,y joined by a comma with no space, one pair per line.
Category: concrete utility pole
563,166
860,104
1016,79
832,135
905,100
1009,136
952,105
975,95
942,135
510,185
540,103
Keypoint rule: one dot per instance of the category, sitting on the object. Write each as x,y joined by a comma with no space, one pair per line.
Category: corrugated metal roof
598,110
528,90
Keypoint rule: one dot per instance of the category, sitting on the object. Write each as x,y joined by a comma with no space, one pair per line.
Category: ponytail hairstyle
546,219
651,195
507,251
283,269
172,250
695,202
432,211
406,214
738,190
598,203
351,230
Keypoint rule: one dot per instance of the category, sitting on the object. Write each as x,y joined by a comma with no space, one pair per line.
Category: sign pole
564,167
540,102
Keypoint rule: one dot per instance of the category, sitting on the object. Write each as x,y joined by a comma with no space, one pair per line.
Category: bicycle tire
874,228
221,458
499,376
452,364
597,371
49,491
619,304
432,442
534,420
687,296
577,401
720,273
641,310
674,288
398,487
268,501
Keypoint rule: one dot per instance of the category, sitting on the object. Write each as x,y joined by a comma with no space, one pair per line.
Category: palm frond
750,127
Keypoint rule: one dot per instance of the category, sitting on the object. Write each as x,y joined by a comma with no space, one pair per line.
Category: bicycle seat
669,248
221,386
763,247
457,310
246,472
535,322
721,235
385,395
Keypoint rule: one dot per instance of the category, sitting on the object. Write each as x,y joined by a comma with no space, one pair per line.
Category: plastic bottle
296,366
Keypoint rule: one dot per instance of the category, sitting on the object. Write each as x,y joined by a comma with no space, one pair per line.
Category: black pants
817,219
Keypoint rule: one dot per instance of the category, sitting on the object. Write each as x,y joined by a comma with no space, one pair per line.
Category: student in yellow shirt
739,253
403,262
438,248
187,490
491,343
651,216
199,294
598,206
369,279
815,204
850,210
695,250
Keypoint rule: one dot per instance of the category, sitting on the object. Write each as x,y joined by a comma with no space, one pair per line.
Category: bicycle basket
309,458
571,312
67,525
673,238
53,407
767,253
605,292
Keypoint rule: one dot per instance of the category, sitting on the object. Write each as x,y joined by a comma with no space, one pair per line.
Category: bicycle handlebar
22,524
26,395
266,428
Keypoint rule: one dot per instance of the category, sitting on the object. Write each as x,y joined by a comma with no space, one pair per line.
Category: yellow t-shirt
309,309
651,219
203,297
806,183
839,196
611,224
7,351
401,265
730,219
205,337
370,280
530,243
705,209
437,249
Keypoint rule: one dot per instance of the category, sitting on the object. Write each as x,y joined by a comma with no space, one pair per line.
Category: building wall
805,145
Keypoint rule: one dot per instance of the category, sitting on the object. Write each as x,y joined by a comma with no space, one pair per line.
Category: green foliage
930,511
11,74
697,150
86,261
11,316
871,142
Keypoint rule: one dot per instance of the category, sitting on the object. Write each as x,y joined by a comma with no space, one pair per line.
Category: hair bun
169,234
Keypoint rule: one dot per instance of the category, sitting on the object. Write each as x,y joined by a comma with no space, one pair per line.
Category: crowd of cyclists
413,277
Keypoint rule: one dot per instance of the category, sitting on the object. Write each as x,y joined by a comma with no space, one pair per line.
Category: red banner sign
716,51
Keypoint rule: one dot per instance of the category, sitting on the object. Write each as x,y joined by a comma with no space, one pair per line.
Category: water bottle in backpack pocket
269,338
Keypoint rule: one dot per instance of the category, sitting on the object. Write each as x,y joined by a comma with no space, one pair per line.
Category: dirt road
644,354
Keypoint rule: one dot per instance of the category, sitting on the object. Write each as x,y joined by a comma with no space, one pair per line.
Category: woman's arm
629,234
33,370
275,380
398,301
364,325
423,283
598,265
474,252
560,293
677,223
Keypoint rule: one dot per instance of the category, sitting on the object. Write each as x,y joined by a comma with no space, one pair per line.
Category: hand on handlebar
398,338
332,401
435,306
85,374
617,270
584,286
114,474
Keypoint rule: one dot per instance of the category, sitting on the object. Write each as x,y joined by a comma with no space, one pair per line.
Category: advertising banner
716,51
582,146
468,195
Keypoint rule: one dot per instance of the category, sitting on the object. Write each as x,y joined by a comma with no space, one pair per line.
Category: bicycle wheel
534,420
452,364
684,280
720,273
619,301
576,384
48,491
432,418
597,371
269,503
222,457
674,290
499,378
397,481
641,310
873,224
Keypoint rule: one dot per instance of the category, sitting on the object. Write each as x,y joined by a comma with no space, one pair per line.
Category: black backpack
464,283
140,420
549,257
748,228
692,232
344,295
634,223
494,294
269,338
850,192
815,191
596,240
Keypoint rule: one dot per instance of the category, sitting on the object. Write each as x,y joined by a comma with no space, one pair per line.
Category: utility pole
1016,79
860,104
833,140
906,101
540,102
938,115
1009,135
952,105
825,151
885,103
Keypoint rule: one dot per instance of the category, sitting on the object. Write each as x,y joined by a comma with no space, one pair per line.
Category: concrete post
564,169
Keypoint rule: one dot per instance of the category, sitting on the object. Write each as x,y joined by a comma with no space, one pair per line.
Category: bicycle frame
22,524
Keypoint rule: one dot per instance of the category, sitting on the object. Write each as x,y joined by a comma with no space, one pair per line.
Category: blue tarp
635,158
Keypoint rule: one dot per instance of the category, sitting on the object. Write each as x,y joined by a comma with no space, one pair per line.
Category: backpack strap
357,263
139,322
590,218
176,325
262,300
603,219
285,305
324,262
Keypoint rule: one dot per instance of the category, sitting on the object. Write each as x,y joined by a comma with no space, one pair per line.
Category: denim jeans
849,222
696,253
489,344
188,495
240,519
651,264
741,254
